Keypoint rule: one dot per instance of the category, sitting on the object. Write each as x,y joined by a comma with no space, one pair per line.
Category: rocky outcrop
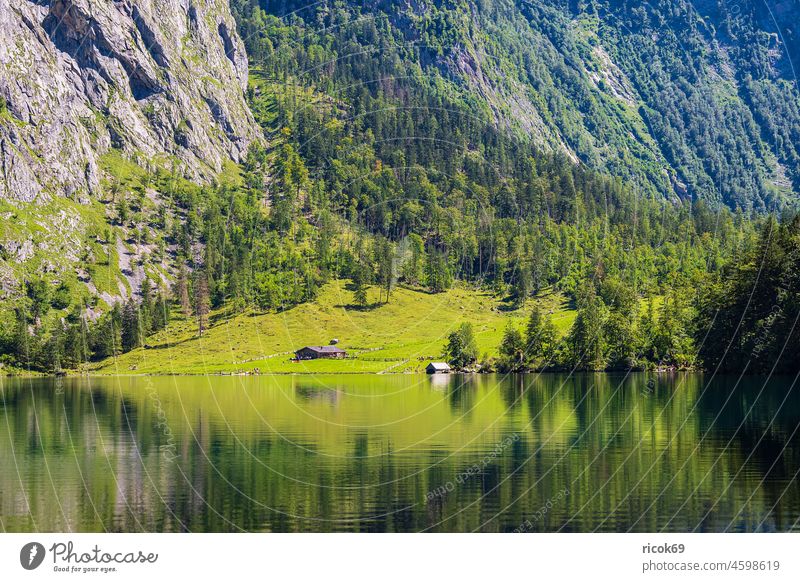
160,79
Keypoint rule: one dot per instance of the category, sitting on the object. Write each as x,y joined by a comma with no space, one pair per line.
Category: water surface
593,452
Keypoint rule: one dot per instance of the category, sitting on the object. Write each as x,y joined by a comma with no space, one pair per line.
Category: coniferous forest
379,167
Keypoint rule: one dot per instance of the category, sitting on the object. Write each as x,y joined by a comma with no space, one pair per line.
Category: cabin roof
439,366
323,349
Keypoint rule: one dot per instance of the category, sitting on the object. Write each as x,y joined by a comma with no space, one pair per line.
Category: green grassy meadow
399,336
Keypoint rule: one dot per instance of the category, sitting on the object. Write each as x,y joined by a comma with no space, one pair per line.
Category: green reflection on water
399,453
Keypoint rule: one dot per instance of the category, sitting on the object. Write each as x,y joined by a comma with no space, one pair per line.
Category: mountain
692,100
620,156
156,79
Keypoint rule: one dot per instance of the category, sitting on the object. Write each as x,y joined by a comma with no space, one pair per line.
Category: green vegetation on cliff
498,152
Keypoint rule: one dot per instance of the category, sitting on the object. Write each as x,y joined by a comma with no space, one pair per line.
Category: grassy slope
400,336
61,232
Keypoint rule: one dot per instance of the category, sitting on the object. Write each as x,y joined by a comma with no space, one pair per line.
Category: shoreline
344,373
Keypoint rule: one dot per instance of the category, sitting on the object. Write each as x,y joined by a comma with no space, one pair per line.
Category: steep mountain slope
161,79
586,149
694,100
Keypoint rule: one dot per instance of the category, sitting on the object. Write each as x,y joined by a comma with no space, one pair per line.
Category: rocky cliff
160,79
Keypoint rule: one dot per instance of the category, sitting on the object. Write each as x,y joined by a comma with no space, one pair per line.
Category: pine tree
521,284
146,309
182,291
540,338
105,337
161,312
201,301
359,290
620,335
22,342
130,332
385,260
53,353
75,340
587,337
38,292
412,269
437,272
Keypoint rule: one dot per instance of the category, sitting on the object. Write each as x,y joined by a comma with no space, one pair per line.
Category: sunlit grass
399,336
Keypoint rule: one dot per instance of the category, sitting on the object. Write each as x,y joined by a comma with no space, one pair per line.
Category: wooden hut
438,368
317,352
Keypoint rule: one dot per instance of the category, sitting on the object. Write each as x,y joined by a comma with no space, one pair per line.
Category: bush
62,296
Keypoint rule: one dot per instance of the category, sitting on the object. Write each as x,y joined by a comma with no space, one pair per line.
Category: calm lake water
400,453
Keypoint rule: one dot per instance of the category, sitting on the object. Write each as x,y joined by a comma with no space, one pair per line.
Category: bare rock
151,77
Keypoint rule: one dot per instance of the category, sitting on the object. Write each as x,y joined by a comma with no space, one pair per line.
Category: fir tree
201,302
130,330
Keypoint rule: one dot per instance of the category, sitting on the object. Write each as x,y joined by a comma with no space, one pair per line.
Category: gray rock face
163,80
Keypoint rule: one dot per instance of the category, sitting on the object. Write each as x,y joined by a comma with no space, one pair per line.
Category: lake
400,453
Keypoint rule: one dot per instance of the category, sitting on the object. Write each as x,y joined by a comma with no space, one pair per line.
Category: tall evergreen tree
130,330
587,341
182,291
201,302
512,350
540,338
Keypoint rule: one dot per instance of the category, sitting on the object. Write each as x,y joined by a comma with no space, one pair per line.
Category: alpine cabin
317,352
438,368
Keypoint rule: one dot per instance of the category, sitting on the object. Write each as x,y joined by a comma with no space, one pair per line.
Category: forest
378,172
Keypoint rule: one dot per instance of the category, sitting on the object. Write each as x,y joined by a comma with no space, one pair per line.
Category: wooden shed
317,352
438,368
